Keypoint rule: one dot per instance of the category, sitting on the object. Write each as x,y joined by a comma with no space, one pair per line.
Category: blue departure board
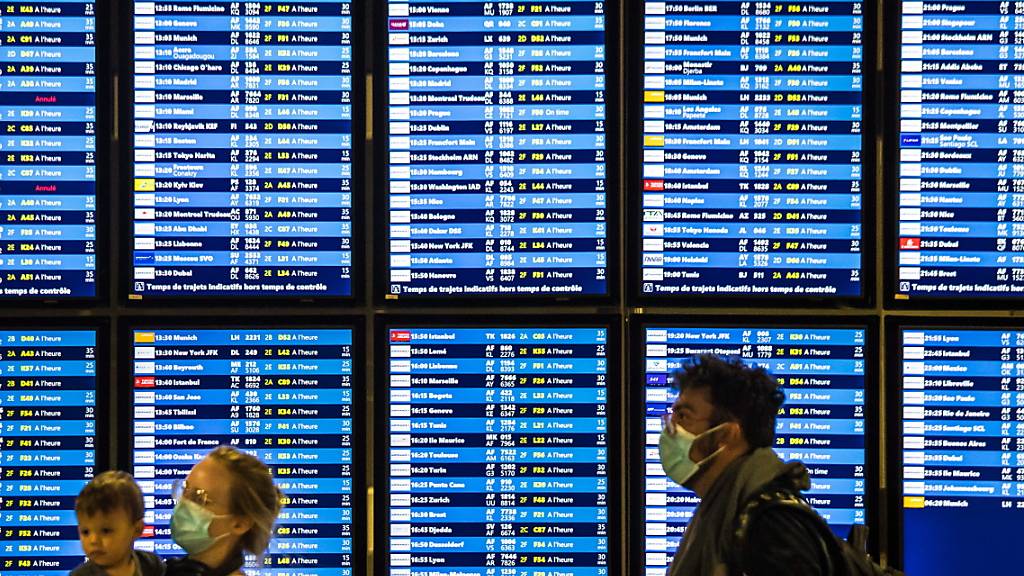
48,452
48,178
963,449
243,149
961,181
822,421
496,148
498,451
752,143
283,395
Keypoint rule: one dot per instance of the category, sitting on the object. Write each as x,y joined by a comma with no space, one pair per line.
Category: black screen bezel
382,415
872,109
360,507
638,404
125,192
614,183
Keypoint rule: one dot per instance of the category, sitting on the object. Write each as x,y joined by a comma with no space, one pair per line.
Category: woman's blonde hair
253,495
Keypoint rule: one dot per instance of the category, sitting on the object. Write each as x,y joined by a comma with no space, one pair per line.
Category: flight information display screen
284,395
963,449
48,452
497,173
961,181
498,451
822,421
752,143
242,149
48,178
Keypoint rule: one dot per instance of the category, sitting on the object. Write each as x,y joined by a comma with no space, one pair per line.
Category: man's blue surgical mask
674,448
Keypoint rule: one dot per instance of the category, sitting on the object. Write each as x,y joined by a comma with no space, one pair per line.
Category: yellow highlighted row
654,95
913,501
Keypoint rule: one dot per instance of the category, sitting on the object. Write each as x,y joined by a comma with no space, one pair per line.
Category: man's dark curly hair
738,392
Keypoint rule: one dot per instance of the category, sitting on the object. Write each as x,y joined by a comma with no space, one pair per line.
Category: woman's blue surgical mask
190,527
674,448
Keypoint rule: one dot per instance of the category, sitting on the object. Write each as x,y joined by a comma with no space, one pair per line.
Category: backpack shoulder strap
844,559
780,496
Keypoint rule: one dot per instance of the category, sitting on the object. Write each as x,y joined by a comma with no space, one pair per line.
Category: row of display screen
496,134
501,441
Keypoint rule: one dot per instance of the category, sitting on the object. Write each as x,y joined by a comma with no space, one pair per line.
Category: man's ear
735,436
139,527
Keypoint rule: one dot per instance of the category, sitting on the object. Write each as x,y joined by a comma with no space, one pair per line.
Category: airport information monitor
284,395
496,148
48,165
242,149
498,451
962,447
752,160
822,423
48,390
960,188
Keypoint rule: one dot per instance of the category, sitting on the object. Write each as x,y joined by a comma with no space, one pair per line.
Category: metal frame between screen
124,389
616,397
637,409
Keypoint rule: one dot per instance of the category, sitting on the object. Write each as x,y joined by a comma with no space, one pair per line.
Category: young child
109,511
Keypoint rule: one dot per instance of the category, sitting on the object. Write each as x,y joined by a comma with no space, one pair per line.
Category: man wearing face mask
717,442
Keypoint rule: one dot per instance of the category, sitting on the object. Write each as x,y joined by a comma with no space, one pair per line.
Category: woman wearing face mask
226,507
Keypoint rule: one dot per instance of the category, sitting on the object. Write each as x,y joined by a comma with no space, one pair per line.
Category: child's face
107,537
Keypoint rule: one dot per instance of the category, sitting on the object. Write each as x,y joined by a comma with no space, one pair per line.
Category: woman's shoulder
88,569
150,564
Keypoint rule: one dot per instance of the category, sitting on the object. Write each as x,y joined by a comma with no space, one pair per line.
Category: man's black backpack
844,558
